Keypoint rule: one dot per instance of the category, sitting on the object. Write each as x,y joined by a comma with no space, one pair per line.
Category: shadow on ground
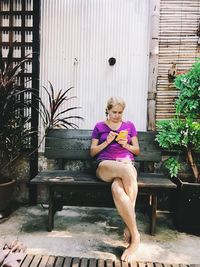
97,232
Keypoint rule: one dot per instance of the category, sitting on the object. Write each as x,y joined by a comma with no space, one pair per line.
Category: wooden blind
178,43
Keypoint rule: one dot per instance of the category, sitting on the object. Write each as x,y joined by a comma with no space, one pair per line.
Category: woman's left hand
123,142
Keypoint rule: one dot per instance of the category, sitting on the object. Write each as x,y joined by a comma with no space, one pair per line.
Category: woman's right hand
95,147
111,136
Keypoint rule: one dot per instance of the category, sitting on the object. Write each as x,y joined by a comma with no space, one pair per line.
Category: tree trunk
193,166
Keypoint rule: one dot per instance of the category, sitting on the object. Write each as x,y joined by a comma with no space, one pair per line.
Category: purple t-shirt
113,150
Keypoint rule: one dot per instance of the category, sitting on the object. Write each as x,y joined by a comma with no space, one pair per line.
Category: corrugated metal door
77,39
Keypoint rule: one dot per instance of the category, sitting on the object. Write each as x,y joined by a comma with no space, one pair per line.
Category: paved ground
97,232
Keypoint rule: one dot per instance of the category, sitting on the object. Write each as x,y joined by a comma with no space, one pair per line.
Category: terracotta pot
6,194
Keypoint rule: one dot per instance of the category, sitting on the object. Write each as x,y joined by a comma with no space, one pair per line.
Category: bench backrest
74,144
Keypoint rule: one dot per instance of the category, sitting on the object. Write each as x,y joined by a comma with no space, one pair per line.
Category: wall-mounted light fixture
112,61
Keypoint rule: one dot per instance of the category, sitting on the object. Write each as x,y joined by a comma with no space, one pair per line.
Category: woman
115,155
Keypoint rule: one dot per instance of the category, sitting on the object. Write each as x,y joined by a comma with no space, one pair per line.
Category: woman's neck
113,125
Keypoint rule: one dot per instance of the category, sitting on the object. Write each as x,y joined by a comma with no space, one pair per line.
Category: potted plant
180,137
14,129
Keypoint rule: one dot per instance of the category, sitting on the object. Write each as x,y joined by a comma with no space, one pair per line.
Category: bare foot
127,235
128,254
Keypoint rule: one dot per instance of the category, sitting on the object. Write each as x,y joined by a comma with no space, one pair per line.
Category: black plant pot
6,195
187,214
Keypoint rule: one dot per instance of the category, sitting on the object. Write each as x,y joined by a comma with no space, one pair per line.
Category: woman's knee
129,174
106,170
103,172
117,188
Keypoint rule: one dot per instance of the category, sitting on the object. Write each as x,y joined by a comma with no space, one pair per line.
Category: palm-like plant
13,121
15,128
52,116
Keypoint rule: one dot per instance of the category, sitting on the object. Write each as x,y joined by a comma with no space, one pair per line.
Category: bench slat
61,177
75,144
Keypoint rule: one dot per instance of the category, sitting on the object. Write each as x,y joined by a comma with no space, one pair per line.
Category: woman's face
115,113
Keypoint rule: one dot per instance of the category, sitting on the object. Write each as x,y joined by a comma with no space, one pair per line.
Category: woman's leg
127,234
127,185
110,169
125,208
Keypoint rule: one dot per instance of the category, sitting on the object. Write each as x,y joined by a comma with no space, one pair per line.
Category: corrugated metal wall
179,20
77,39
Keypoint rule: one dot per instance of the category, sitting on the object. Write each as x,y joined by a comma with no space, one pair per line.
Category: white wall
77,39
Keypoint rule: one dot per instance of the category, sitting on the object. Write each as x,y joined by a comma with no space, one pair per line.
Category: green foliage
182,133
178,134
173,166
188,102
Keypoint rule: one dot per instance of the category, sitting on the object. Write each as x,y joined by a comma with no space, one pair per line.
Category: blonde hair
114,101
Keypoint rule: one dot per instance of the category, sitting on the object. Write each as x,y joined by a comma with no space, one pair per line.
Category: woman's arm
134,146
95,148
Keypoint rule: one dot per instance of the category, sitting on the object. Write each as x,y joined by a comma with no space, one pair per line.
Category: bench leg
51,210
153,214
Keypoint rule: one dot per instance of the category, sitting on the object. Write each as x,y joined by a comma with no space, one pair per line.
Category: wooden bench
71,150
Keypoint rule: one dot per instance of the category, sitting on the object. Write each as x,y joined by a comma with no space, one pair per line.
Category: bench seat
61,181
62,177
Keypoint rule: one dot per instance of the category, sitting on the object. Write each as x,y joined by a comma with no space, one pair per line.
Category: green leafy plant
173,165
180,136
182,133
14,129
188,103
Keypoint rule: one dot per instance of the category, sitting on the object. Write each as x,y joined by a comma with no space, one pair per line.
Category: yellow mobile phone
122,135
